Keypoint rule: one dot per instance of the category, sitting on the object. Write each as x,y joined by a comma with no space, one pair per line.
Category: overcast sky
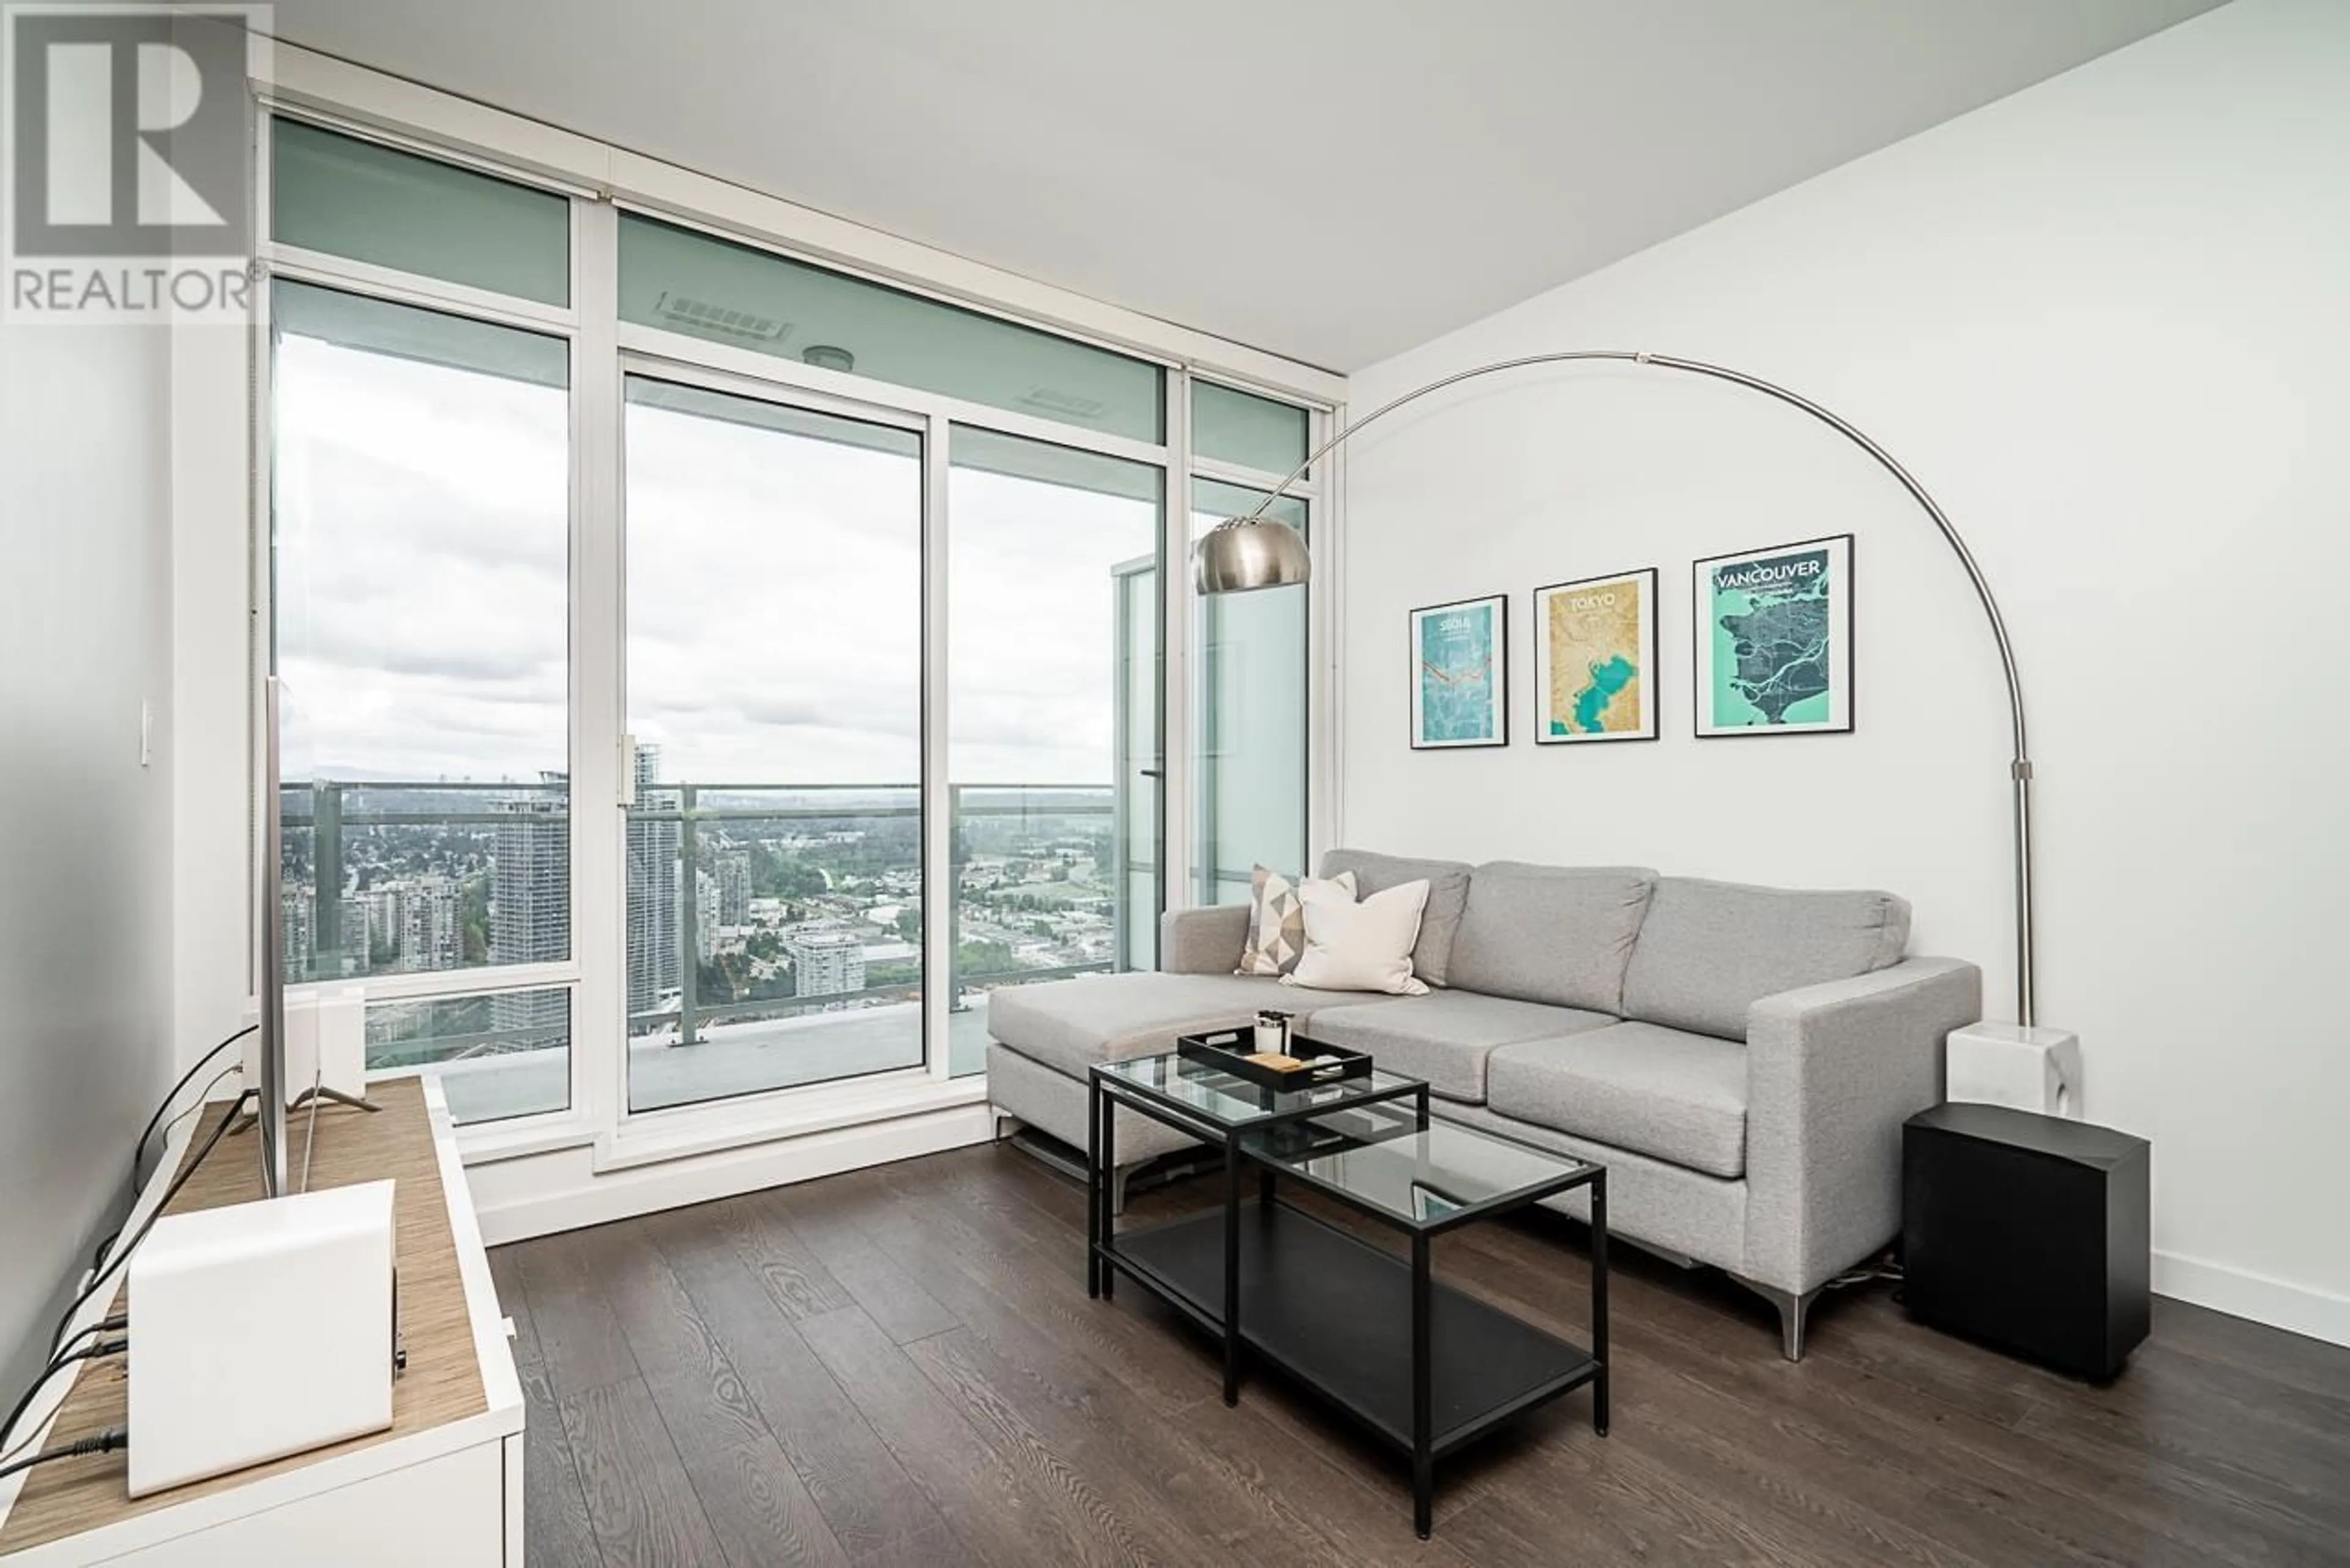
774,593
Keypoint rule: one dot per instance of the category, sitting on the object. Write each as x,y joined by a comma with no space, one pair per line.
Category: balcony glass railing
791,907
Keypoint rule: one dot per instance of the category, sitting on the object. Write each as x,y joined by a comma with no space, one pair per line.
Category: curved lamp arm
2019,770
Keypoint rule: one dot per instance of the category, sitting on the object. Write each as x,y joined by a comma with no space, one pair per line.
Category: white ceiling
1334,179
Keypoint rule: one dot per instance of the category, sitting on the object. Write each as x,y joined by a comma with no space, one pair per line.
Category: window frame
603,351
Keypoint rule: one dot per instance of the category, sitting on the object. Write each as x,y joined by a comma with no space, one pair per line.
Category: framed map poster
1774,634
1459,674
1596,659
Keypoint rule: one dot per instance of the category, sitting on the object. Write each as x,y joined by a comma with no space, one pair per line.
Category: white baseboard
538,1195
2296,1308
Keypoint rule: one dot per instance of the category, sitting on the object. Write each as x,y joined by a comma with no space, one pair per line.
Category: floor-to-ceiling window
420,508
1054,751
1250,781
774,659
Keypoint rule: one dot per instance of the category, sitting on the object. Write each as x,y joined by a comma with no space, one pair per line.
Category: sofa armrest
1203,941
1832,1072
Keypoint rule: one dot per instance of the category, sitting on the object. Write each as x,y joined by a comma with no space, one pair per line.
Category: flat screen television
272,989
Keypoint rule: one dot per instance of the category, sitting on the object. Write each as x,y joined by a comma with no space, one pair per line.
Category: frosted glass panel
1242,428
357,199
507,1054
685,282
1249,725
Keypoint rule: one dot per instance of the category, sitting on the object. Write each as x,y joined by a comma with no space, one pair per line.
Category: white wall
211,628
2107,321
85,863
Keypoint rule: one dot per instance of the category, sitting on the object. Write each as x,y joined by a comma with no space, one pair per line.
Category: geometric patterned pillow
1277,930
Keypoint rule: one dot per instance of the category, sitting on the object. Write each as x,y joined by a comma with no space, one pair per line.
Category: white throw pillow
1363,946
1277,933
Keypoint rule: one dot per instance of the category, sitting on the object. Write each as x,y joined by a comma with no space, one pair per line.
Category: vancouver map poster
1774,640
1457,677
1596,658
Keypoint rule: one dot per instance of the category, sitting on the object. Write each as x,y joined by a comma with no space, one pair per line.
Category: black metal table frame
1103,1263
1101,1138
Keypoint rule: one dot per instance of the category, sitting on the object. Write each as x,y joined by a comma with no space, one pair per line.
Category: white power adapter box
260,1330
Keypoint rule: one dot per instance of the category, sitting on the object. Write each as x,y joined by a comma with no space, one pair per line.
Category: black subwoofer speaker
2029,1234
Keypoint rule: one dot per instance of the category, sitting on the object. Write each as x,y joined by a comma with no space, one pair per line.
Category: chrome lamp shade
1240,555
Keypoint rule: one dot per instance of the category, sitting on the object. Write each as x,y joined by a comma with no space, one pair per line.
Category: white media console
443,1485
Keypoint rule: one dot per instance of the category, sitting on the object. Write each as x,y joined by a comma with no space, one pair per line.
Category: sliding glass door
773,608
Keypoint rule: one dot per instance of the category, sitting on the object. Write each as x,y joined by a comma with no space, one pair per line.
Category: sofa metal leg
1117,1189
1794,1310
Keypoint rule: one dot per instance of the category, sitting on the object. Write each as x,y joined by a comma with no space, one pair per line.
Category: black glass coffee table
1215,1106
1424,1367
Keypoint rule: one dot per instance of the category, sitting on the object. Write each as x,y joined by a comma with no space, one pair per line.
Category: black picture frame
1500,606
1652,685
1843,661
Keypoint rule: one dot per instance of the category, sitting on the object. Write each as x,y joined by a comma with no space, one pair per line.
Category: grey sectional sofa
1741,1058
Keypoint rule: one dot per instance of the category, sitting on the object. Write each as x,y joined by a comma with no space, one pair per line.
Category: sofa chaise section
1046,1039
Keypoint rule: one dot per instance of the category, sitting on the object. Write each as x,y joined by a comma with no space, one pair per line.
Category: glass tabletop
1212,1094
1379,1157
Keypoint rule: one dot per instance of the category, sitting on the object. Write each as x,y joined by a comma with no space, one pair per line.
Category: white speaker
2024,1069
260,1330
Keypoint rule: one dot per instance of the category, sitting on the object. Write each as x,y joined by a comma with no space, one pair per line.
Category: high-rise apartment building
826,961
530,901
707,903
383,926
733,886
655,957
297,933
433,927
352,927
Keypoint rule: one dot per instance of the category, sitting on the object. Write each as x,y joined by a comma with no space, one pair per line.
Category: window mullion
1178,711
1324,543
940,992
599,873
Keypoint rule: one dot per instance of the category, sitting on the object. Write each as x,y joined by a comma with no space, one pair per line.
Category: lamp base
2007,1064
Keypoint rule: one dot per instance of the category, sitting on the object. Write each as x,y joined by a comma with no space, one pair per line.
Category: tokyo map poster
1596,659
1773,635
1459,680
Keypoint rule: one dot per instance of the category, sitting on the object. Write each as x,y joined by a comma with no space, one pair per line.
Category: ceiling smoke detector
825,357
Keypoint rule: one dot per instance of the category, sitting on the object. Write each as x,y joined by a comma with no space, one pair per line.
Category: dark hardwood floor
900,1366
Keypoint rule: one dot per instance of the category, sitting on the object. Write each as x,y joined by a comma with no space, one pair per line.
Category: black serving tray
1229,1050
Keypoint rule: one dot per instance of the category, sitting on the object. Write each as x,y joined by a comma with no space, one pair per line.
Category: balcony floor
731,1059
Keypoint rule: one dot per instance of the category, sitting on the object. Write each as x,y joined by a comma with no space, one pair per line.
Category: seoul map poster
1458,684
1774,640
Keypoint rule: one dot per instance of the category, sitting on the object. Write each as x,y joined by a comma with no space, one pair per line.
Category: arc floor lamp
1242,554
